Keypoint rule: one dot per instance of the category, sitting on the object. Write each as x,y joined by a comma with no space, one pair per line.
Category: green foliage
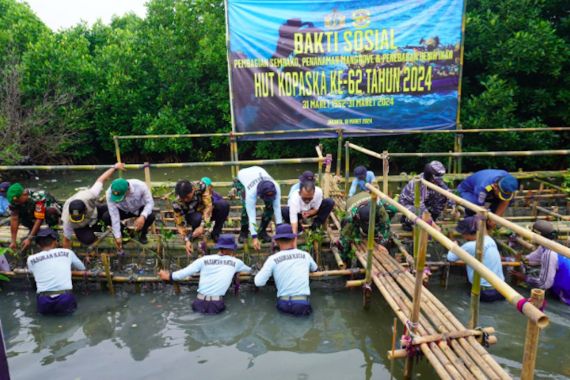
167,74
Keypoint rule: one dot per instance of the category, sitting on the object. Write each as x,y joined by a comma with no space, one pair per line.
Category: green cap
207,181
14,191
119,189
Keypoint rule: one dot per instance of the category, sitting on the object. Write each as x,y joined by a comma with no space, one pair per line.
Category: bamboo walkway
463,357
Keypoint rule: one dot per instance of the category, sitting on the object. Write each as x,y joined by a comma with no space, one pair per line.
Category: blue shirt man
491,257
290,267
4,204
363,176
216,273
490,185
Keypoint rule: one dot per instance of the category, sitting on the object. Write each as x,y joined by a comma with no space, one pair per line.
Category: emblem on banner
335,20
361,18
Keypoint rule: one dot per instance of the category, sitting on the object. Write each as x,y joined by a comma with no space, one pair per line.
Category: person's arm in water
36,227
265,273
191,269
75,262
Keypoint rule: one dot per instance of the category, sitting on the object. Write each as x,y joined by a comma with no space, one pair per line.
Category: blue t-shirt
359,184
4,204
216,273
491,259
476,187
290,268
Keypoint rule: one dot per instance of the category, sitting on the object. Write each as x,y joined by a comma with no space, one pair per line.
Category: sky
58,14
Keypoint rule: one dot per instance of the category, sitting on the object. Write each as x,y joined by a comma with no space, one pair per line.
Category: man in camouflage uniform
196,205
430,200
355,223
30,208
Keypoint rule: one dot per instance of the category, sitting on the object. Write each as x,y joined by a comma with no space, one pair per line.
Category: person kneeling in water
290,267
491,257
216,273
52,272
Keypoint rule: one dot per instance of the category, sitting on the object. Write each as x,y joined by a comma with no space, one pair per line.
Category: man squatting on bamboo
196,205
307,202
491,257
52,273
216,273
129,199
290,268
83,215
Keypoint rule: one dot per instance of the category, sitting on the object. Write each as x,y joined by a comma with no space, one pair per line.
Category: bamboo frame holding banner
511,295
346,167
339,150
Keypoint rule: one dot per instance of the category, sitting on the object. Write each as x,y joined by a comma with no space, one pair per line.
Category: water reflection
157,334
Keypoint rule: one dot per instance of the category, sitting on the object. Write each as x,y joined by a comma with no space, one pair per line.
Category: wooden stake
415,316
476,285
385,171
531,338
107,266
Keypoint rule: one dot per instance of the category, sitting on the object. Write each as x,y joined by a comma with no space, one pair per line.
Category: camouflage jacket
201,202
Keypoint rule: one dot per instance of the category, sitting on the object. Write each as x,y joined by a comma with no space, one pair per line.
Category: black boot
262,234
243,234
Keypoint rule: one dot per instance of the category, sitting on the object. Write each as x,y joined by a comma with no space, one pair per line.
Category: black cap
360,172
183,188
4,187
77,210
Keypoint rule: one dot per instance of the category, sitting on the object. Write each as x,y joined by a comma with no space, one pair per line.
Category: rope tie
522,301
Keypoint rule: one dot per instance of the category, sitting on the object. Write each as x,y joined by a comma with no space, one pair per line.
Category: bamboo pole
551,185
118,153
552,213
417,202
385,171
338,151
370,242
534,212
509,293
319,149
531,338
346,168
414,317
535,238
476,285
4,370
394,331
107,266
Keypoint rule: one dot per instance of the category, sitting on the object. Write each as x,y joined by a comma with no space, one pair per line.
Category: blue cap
360,172
266,190
507,186
226,241
284,231
4,187
47,232
307,176
467,226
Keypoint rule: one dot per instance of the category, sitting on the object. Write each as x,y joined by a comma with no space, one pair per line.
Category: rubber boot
262,234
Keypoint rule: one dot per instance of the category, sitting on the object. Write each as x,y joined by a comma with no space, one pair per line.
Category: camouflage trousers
267,209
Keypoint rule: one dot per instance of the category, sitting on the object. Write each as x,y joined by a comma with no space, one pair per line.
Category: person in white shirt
307,203
83,215
290,268
251,183
52,272
216,273
129,199
491,257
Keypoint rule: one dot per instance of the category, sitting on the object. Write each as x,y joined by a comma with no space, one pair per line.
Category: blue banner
356,65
